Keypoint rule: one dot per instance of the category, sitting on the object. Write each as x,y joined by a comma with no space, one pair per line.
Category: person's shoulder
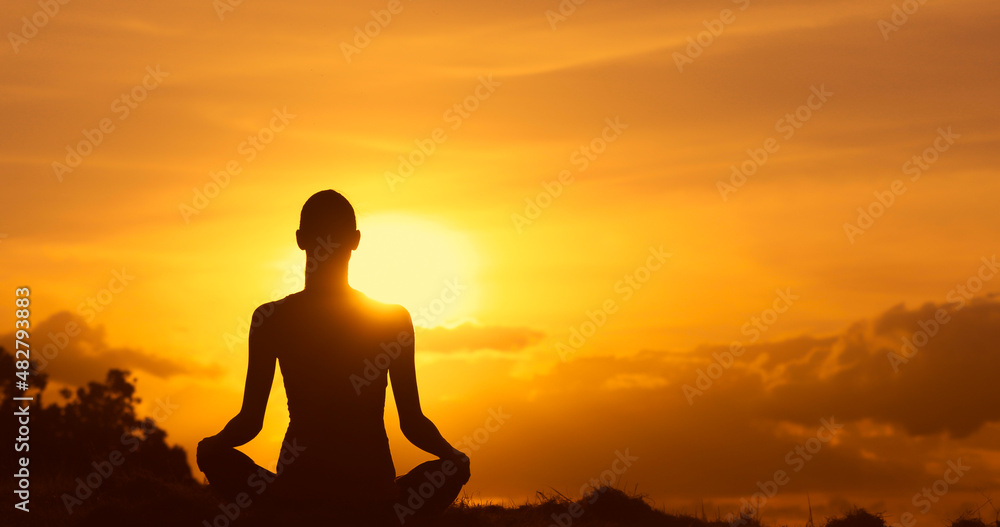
267,310
392,314
274,305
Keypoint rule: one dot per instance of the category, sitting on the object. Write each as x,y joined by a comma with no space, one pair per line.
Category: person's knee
207,455
449,476
457,471
464,471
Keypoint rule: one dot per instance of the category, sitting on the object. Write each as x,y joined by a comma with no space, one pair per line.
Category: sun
426,267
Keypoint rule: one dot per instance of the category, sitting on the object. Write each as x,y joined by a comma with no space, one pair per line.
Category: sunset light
736,258
411,261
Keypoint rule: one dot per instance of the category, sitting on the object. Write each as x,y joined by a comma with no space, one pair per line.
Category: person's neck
328,278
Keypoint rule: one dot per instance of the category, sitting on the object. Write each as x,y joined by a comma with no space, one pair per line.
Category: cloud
945,385
70,351
721,447
626,381
472,337
765,404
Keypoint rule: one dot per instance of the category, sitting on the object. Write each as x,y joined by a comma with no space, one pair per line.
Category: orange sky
624,131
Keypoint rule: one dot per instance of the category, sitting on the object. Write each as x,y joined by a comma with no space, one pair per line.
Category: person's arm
416,427
260,375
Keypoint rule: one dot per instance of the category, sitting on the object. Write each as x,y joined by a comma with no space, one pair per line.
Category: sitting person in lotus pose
335,461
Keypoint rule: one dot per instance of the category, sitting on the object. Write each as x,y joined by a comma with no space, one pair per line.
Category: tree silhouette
94,421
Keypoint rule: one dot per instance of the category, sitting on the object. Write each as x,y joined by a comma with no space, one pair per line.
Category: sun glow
424,266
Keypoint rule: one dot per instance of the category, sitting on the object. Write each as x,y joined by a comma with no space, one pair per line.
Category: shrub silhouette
68,442
94,421
969,522
857,518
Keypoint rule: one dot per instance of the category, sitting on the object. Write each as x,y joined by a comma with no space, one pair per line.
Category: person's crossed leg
424,492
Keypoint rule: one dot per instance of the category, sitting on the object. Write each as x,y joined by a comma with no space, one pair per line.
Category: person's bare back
321,344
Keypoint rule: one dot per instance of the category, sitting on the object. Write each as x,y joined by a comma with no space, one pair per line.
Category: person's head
327,224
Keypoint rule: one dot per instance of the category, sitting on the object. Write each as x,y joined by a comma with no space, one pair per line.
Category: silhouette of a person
335,460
